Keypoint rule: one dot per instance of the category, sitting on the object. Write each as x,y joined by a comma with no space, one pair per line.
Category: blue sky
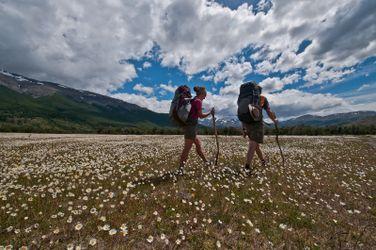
156,74
310,58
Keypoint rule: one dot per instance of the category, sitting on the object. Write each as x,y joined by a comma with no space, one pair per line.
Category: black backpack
249,107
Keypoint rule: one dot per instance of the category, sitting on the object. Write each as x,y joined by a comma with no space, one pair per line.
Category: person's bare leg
184,154
260,156
251,151
259,152
199,149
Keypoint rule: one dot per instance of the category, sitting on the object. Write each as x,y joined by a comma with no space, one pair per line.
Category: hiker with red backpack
185,111
250,106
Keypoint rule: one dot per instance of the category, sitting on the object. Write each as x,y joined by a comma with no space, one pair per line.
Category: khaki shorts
190,132
255,131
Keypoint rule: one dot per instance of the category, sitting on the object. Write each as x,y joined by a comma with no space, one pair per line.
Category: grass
50,184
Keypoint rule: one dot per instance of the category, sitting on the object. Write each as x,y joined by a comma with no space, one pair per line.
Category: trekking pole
216,140
279,146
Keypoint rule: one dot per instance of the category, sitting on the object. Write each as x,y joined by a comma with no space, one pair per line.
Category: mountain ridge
41,105
337,119
27,104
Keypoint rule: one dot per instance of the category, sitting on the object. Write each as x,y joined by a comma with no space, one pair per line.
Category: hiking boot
247,170
180,171
208,164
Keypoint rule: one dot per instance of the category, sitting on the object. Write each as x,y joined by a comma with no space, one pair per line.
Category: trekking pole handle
212,111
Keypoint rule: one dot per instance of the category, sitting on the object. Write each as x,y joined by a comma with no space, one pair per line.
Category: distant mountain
221,123
29,105
350,118
32,105
340,119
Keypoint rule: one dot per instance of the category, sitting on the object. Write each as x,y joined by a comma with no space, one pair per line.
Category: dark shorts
255,131
190,132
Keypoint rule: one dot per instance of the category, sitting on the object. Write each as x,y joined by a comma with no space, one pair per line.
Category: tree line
295,130
309,130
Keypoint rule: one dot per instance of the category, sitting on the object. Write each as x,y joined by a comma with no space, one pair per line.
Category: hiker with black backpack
185,111
250,106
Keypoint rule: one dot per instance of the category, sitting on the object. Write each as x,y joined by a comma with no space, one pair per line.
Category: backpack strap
262,100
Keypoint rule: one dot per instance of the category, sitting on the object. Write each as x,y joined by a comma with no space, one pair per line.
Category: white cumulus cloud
139,87
168,87
272,84
146,65
89,44
233,72
292,103
151,103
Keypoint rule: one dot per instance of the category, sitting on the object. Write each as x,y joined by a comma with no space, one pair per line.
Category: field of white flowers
102,192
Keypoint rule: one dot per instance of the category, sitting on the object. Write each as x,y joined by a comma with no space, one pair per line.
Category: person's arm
270,113
203,115
244,131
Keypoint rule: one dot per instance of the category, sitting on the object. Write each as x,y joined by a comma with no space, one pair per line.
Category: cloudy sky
316,57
